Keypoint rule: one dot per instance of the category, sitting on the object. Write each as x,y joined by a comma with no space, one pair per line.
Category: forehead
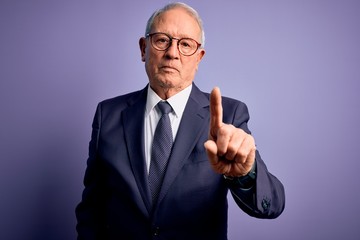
177,22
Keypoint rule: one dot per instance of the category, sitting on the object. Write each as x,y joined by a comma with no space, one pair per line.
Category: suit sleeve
266,198
87,212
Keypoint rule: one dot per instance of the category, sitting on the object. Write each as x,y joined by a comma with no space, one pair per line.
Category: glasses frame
149,35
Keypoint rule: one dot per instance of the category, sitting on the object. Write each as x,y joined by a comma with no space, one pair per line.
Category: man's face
169,71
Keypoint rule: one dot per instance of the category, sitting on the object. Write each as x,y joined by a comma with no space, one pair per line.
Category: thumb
211,150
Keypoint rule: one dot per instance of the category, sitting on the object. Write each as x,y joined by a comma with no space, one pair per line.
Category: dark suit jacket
116,202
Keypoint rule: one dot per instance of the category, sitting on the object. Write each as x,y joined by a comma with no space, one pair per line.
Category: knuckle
223,131
243,153
232,149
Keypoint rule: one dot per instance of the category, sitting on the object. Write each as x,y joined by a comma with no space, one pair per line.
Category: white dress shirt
152,116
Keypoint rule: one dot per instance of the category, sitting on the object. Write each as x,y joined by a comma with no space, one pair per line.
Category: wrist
245,182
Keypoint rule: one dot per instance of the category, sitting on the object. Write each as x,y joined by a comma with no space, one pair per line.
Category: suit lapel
191,128
133,120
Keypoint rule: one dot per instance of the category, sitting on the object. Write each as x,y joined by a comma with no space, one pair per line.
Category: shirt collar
177,102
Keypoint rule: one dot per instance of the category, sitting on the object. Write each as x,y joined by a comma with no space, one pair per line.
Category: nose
173,52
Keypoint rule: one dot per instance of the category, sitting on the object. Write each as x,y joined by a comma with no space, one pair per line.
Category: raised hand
231,151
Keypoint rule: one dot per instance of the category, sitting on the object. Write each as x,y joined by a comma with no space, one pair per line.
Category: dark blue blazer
116,202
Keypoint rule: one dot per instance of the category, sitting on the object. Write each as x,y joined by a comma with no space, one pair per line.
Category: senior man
162,159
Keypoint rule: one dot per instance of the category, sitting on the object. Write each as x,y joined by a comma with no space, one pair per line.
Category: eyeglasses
162,42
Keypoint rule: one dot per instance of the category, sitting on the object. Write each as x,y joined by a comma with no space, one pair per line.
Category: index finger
216,111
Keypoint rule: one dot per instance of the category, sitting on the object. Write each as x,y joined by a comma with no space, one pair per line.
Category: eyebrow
179,37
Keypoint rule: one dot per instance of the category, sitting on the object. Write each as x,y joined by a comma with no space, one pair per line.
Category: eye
187,43
162,40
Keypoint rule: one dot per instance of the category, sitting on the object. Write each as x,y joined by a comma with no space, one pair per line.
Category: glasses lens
188,46
160,41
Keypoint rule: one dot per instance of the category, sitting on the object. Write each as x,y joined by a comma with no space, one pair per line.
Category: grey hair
170,6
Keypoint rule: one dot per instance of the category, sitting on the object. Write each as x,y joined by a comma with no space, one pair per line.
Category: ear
199,56
142,45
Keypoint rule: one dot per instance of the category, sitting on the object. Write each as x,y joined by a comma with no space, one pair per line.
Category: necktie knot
164,107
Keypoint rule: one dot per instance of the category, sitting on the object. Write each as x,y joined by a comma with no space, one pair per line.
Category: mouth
169,69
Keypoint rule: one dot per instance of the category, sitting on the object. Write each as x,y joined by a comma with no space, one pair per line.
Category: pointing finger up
216,113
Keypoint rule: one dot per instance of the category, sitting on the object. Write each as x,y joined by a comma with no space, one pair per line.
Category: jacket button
266,204
156,231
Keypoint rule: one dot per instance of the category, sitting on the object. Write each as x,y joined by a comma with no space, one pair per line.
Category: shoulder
233,105
234,111
122,101
230,105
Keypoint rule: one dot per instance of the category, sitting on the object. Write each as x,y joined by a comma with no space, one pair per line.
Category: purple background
295,63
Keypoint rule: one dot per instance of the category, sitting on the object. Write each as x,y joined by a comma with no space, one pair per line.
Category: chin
168,82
